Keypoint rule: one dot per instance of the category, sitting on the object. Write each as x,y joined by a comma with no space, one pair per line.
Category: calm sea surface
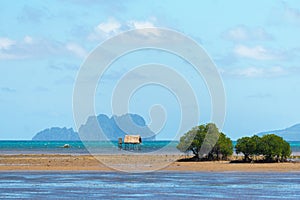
46,147
77,147
158,185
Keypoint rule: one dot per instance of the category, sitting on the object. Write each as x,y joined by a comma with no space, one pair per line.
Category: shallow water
77,147
162,185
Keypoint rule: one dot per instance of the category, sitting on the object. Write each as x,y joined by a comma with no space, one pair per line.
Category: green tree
271,146
243,145
286,150
205,141
274,147
223,148
249,146
192,140
256,140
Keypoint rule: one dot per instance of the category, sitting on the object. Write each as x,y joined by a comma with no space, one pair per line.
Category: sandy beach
40,162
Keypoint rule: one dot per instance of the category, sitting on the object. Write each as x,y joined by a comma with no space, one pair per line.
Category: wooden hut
132,141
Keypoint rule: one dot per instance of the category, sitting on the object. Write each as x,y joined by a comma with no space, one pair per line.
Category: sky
254,45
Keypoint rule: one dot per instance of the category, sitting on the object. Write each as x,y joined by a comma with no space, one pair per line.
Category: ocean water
77,147
158,185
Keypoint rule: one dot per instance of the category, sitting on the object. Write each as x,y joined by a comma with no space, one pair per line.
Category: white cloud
256,52
26,48
37,48
28,40
237,34
112,27
77,50
6,43
249,72
256,72
140,24
105,29
133,24
242,33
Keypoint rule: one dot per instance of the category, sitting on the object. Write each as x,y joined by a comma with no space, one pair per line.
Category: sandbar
57,162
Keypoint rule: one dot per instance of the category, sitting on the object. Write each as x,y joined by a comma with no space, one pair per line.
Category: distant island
110,129
289,134
57,134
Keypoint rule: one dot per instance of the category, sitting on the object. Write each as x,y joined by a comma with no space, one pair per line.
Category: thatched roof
133,139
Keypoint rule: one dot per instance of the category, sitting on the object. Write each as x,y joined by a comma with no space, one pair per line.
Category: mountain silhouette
289,134
100,128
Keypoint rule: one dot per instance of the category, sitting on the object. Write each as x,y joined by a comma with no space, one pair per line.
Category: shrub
271,146
206,142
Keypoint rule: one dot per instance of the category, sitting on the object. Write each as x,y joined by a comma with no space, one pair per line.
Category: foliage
206,142
271,146
274,147
286,150
249,146
224,147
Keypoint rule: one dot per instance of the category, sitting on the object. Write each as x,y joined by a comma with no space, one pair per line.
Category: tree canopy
274,147
249,146
206,142
271,146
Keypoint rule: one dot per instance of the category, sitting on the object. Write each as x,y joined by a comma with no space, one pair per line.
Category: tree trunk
196,154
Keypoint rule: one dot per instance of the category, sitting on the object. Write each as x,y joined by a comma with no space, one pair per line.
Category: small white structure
133,141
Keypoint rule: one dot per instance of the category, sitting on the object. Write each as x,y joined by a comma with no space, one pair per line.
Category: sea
155,185
120,185
78,147
105,147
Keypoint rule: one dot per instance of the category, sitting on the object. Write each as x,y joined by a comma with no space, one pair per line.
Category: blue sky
255,46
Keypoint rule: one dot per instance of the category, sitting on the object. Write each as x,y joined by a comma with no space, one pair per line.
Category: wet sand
39,162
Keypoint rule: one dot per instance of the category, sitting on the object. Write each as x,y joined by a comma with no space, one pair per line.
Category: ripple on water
176,185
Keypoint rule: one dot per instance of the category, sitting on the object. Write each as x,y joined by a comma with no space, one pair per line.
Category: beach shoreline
110,163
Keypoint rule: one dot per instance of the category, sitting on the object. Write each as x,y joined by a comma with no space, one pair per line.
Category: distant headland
112,128
289,134
57,134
